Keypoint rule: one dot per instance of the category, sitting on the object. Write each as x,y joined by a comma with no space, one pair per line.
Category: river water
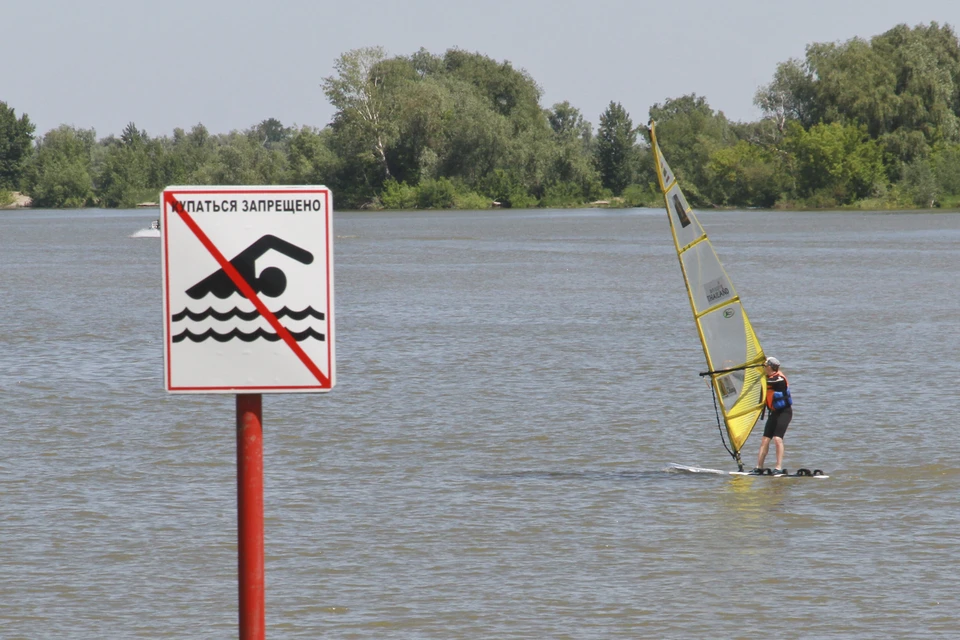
494,461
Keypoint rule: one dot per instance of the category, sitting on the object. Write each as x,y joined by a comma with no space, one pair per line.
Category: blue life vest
782,399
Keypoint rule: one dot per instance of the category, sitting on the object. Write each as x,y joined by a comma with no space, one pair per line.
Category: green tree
836,163
689,132
744,174
425,107
920,184
614,151
476,139
906,78
925,61
310,159
59,173
946,167
509,92
245,160
271,133
792,95
189,155
424,117
16,144
855,84
123,177
900,148
567,123
572,176
501,126
902,86
360,93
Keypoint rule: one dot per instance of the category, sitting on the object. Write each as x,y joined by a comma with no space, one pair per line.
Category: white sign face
247,289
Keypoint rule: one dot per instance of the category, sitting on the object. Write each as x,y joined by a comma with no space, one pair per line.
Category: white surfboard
682,468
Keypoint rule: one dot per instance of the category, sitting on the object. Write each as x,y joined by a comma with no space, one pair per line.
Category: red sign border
168,201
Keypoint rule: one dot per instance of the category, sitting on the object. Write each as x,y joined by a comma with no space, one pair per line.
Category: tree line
871,123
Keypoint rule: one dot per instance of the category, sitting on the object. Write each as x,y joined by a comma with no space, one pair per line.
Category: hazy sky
229,65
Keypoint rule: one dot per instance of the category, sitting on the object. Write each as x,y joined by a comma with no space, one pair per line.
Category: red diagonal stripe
246,289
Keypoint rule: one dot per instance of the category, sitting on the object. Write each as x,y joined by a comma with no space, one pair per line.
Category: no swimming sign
248,289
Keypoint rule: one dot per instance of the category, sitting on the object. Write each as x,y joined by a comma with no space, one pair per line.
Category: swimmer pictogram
271,282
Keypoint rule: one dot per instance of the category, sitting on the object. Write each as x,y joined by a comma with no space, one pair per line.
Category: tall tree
572,169
840,162
424,110
744,174
476,138
123,177
689,132
59,173
926,64
359,92
270,132
904,78
311,161
790,96
16,144
614,151
567,122
855,83
510,92
946,166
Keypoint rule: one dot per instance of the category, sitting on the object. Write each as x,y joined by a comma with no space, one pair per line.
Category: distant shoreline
706,211
21,201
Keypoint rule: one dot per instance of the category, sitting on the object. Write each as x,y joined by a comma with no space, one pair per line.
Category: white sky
229,65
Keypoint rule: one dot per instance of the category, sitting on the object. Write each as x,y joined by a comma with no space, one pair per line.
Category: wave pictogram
253,314
236,334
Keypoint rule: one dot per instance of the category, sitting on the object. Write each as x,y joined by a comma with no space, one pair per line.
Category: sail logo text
716,290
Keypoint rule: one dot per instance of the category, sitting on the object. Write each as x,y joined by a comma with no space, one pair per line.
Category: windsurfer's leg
783,421
764,445
768,433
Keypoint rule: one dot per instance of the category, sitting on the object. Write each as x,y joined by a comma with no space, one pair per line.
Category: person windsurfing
779,408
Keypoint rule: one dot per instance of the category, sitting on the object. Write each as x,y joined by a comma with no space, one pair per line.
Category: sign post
248,309
250,565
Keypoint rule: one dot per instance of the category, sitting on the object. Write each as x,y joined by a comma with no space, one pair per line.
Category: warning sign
247,289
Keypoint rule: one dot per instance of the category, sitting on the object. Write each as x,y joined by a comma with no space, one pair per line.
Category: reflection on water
512,387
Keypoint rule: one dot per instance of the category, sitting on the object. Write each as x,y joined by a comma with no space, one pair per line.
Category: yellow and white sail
733,352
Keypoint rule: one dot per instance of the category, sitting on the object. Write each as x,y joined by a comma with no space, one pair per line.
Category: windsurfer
779,413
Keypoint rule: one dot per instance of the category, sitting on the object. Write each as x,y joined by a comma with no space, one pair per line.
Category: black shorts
777,423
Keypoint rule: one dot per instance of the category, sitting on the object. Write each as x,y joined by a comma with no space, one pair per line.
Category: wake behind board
802,473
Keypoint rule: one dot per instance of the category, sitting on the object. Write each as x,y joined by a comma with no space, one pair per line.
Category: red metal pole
250,515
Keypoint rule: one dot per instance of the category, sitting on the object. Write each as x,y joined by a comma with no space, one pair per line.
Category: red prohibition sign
247,290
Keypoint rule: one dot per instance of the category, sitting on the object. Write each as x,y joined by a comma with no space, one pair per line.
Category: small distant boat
152,232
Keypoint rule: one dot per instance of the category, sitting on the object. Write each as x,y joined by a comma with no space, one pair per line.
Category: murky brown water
512,387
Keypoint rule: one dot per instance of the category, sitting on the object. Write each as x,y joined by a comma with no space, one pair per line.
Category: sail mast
730,345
